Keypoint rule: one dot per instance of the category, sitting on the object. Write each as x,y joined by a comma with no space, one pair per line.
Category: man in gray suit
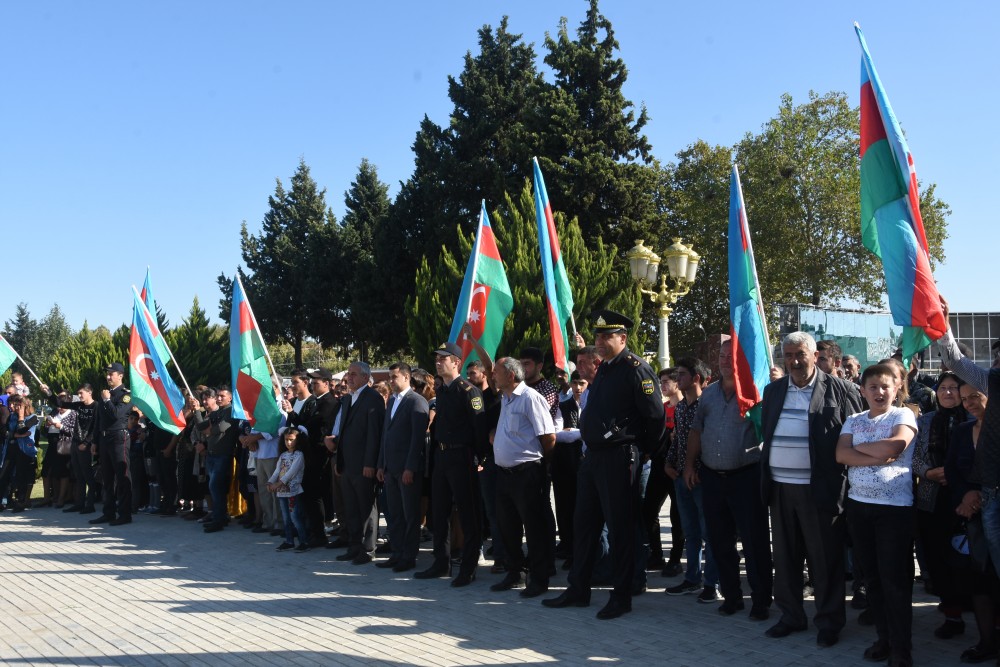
400,467
359,438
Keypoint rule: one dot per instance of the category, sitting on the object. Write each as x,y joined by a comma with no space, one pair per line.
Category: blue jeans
294,515
693,522
991,524
219,468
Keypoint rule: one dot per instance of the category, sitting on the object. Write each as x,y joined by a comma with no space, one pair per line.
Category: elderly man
401,467
524,435
804,486
624,411
726,445
358,440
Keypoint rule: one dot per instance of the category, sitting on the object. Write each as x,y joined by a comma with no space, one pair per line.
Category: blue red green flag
485,300
253,393
558,295
891,226
153,390
7,355
748,327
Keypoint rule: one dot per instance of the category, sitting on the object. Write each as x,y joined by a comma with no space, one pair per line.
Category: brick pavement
160,592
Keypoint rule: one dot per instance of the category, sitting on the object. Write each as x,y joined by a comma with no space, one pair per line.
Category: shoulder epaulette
636,361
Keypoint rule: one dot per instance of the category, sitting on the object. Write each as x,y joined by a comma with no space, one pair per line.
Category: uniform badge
600,321
477,403
126,398
647,387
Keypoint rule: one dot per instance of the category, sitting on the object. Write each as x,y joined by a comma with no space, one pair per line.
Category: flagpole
475,255
21,359
164,339
267,355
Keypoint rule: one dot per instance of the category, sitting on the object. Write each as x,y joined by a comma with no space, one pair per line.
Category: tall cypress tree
598,164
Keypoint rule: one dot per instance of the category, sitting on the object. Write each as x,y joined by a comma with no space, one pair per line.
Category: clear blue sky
144,133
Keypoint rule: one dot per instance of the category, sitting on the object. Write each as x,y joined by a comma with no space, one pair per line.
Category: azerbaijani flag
485,300
891,226
253,396
558,295
7,355
147,298
153,390
748,327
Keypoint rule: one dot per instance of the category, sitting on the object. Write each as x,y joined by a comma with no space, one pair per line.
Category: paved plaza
160,592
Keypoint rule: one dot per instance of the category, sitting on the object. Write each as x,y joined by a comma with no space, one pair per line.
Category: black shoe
730,607
672,569
950,628
463,579
120,521
433,572
260,529
782,629
73,508
404,565
656,563
860,600
214,527
87,510
568,598
877,652
384,548
362,558
104,518
534,589
975,654
386,564
350,555
338,543
512,580
827,638
759,612
285,546
302,548
613,609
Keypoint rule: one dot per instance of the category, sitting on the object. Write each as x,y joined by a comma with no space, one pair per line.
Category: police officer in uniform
623,420
112,448
459,439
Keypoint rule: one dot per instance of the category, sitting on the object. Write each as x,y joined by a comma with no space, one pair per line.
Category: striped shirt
789,456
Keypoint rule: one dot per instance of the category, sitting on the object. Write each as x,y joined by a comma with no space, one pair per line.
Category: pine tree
201,349
288,298
598,163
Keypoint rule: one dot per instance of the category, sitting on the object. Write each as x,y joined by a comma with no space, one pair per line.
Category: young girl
875,447
286,484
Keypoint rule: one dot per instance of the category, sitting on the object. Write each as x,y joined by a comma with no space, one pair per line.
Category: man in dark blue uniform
623,419
112,448
460,439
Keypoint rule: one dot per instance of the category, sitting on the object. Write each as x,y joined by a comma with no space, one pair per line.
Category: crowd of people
840,475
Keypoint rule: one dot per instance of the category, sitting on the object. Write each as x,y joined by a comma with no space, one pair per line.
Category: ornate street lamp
675,282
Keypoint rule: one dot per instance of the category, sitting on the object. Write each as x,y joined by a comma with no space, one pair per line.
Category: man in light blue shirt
524,435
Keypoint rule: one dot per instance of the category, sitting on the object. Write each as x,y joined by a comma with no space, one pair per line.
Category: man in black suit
401,466
358,440
318,421
804,486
